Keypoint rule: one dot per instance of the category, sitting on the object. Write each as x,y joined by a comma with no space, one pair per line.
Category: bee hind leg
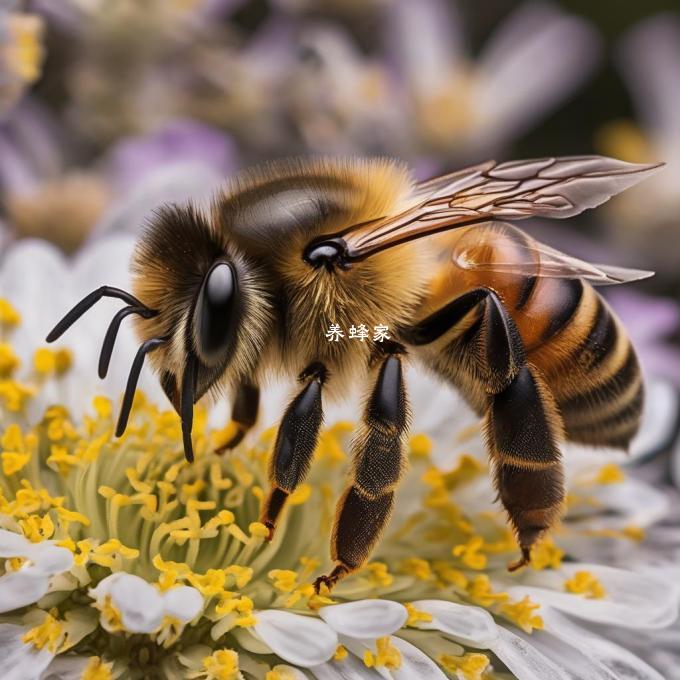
243,415
523,426
523,431
378,461
295,444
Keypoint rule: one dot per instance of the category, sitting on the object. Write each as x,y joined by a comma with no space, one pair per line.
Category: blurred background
110,107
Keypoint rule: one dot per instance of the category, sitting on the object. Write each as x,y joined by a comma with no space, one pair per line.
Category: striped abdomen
569,333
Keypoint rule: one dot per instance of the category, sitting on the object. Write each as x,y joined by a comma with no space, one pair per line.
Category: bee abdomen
602,402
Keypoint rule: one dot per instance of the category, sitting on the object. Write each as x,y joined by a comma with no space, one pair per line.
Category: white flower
145,561
531,63
34,565
647,217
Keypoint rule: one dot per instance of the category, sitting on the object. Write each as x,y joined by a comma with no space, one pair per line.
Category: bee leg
523,425
295,444
523,431
378,461
243,415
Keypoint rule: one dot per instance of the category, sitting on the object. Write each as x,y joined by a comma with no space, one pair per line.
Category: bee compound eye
215,311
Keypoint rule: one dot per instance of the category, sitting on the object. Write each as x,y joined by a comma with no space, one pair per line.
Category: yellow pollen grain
378,574
36,528
546,555
72,516
14,395
385,655
470,666
221,665
470,553
102,407
610,474
634,533
9,316
587,584
258,530
416,616
280,673
97,669
415,566
481,592
449,575
9,361
284,580
523,614
49,634
420,445
340,653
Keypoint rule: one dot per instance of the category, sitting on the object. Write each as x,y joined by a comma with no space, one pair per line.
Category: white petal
365,618
415,663
350,668
301,640
139,603
359,647
622,664
13,544
50,559
523,660
542,57
183,603
467,624
20,661
20,588
633,600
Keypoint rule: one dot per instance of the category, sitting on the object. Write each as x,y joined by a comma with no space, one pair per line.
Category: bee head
212,302
203,312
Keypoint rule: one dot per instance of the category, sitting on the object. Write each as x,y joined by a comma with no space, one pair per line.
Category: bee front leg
378,462
295,444
243,415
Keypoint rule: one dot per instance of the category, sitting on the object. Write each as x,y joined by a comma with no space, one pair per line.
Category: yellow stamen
386,655
522,614
585,583
610,474
97,669
9,316
467,667
221,665
50,633
416,616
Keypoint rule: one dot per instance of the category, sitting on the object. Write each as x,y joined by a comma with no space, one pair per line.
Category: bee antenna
112,333
138,362
87,302
187,406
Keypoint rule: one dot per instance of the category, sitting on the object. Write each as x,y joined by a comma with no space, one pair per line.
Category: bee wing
501,248
544,187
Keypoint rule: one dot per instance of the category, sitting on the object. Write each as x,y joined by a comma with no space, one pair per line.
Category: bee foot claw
522,562
331,579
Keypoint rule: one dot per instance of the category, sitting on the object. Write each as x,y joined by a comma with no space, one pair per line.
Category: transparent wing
545,187
502,248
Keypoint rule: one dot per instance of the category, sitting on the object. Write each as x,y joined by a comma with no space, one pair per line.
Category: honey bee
227,297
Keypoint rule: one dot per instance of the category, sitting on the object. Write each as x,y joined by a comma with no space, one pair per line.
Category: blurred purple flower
49,197
650,321
179,142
